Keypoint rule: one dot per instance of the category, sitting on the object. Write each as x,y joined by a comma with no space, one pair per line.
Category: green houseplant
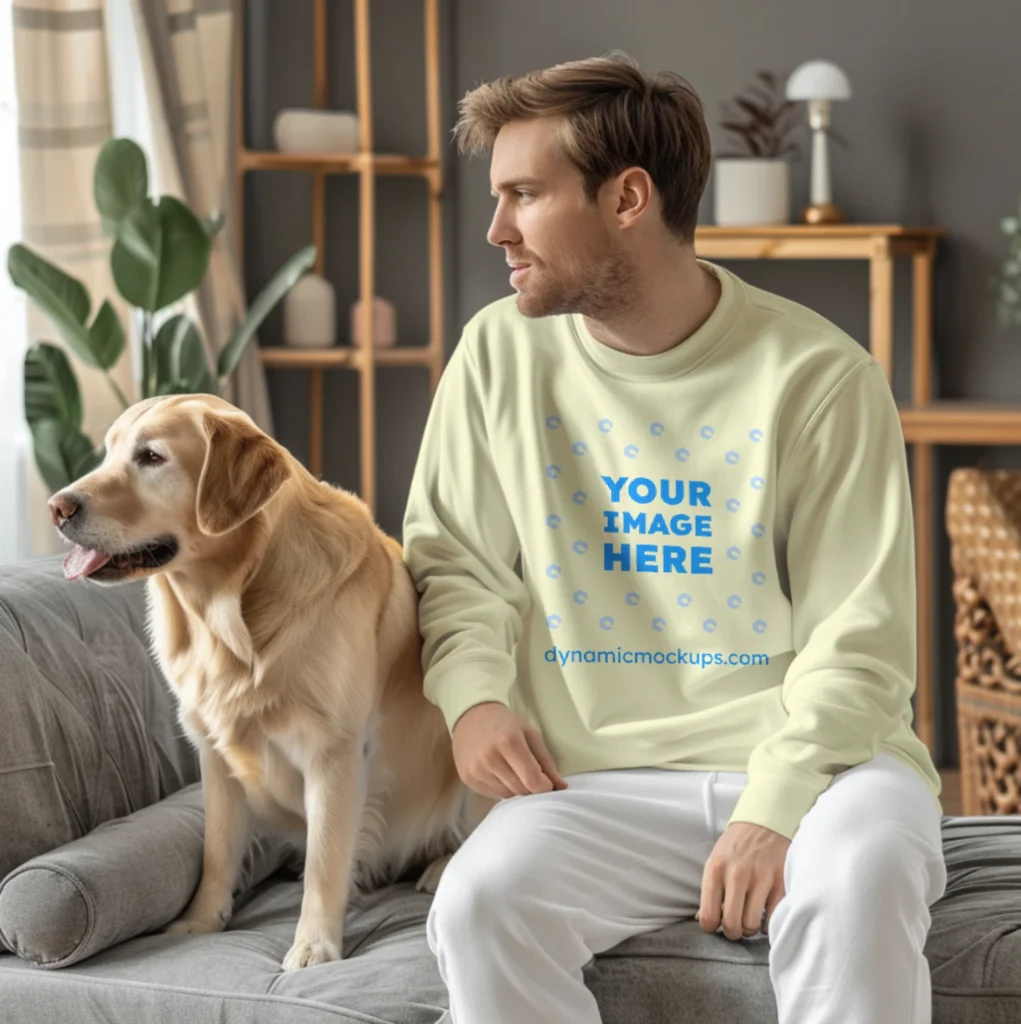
160,253
752,178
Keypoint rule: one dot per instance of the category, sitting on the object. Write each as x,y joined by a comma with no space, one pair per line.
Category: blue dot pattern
668,432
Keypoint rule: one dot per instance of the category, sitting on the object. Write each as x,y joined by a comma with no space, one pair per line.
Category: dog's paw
194,926
429,880
309,954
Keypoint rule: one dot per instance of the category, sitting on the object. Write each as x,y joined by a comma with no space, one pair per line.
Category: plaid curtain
64,117
187,49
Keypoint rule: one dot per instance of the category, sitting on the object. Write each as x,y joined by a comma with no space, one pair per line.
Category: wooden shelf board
962,422
339,356
336,163
813,242
819,231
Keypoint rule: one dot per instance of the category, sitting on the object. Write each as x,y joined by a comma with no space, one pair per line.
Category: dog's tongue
81,561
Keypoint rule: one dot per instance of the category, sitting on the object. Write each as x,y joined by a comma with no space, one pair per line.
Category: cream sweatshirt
701,559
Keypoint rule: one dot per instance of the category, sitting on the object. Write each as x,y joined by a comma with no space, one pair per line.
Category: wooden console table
925,423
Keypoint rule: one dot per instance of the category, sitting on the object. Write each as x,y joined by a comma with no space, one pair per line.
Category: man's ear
242,470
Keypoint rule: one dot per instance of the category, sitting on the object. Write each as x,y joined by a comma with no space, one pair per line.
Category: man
661,530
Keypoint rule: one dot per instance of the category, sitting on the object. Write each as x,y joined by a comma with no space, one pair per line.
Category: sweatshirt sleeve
461,546
851,567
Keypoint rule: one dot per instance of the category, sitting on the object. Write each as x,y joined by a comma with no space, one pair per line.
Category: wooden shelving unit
962,422
925,422
367,164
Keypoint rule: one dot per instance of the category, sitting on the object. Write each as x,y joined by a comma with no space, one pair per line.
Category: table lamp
819,82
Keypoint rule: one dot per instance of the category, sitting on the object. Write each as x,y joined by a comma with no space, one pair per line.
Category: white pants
550,879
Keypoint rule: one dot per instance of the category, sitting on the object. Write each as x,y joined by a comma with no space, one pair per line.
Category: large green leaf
61,297
106,336
163,366
60,453
181,366
281,283
120,180
161,253
51,390
66,302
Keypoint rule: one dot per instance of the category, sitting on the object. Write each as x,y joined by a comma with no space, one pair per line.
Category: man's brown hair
615,116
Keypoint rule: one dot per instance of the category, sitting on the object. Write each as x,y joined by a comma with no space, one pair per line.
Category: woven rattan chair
983,517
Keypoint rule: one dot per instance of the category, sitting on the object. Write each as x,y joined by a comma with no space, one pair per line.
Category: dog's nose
63,506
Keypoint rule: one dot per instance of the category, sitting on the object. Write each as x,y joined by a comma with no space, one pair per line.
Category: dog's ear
243,469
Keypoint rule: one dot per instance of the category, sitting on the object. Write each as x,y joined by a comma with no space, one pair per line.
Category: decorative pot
750,191
310,313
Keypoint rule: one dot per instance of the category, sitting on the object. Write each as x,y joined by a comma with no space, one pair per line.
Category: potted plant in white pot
752,183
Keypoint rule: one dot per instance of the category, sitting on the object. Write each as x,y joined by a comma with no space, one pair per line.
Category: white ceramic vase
750,191
310,313
316,131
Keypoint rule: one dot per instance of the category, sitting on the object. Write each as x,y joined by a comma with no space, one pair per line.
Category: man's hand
743,878
500,755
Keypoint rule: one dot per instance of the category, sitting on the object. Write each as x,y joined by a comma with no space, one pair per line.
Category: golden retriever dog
287,624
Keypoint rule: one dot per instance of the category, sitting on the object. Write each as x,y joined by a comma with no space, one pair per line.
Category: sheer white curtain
15,543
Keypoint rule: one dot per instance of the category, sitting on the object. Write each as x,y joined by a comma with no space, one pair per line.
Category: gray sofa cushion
129,876
678,975
88,728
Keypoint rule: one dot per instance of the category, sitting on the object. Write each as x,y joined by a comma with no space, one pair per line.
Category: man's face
564,249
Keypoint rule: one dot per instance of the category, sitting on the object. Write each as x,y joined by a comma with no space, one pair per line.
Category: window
15,448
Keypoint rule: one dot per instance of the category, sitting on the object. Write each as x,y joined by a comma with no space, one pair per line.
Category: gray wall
931,137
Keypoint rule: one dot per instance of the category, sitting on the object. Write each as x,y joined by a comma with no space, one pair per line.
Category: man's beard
602,285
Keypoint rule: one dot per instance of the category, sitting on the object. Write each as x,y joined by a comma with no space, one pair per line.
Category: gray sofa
100,843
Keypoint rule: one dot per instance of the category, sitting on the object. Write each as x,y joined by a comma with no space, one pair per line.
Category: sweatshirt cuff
470,682
778,801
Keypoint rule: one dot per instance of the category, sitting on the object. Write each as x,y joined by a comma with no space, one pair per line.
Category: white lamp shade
818,80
